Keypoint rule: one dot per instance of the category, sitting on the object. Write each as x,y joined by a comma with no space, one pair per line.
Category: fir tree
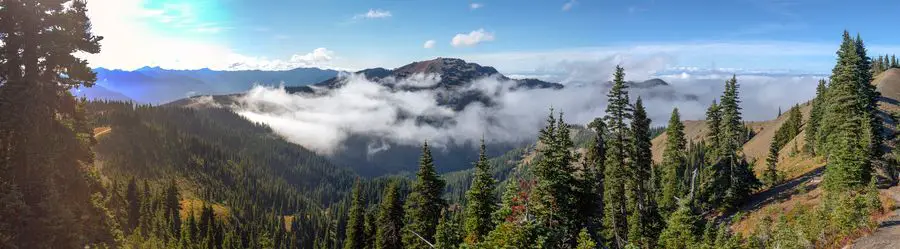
390,217
424,204
448,235
643,220
845,127
355,230
585,241
134,206
481,202
681,228
673,164
554,195
815,116
590,202
770,175
618,112
713,123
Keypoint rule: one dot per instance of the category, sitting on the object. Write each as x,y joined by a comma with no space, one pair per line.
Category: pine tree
731,180
555,193
355,230
390,217
618,112
590,202
846,124
134,206
424,204
481,202
815,116
448,235
713,123
644,221
681,228
673,164
585,241
771,176
43,150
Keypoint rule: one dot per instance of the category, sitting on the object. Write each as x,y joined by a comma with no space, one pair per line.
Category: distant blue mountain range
157,86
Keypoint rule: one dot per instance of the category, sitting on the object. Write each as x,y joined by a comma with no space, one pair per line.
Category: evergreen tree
771,177
585,241
643,220
713,123
815,116
590,202
481,202
44,142
681,228
448,235
355,233
731,180
554,196
134,206
424,204
673,164
390,217
618,112
845,131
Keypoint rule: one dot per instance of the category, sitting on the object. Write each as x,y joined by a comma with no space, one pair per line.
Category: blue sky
517,37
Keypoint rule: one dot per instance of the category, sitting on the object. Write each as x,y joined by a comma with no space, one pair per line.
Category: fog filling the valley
322,122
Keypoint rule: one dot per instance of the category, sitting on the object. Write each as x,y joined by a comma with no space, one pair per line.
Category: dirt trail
888,233
101,131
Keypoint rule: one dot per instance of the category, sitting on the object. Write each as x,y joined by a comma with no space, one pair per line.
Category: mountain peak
451,70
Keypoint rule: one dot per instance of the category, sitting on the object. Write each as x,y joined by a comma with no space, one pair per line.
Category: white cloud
374,14
472,38
568,5
429,44
316,56
475,5
323,122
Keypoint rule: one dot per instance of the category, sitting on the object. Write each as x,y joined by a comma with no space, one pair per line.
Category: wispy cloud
475,6
374,14
569,5
429,44
472,38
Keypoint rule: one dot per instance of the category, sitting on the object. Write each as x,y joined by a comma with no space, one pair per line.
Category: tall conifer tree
618,112
481,202
424,204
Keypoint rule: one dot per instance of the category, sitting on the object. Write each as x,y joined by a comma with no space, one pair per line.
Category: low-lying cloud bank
324,121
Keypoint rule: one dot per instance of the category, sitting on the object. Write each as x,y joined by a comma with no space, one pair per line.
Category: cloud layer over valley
325,120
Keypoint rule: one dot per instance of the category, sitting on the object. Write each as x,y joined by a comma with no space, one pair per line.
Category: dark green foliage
449,233
554,197
847,135
644,221
771,176
730,179
590,201
390,219
355,232
681,228
481,201
789,129
52,197
424,204
618,112
134,206
673,178
815,117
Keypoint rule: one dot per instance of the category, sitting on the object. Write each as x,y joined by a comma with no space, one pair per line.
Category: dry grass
196,205
750,220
